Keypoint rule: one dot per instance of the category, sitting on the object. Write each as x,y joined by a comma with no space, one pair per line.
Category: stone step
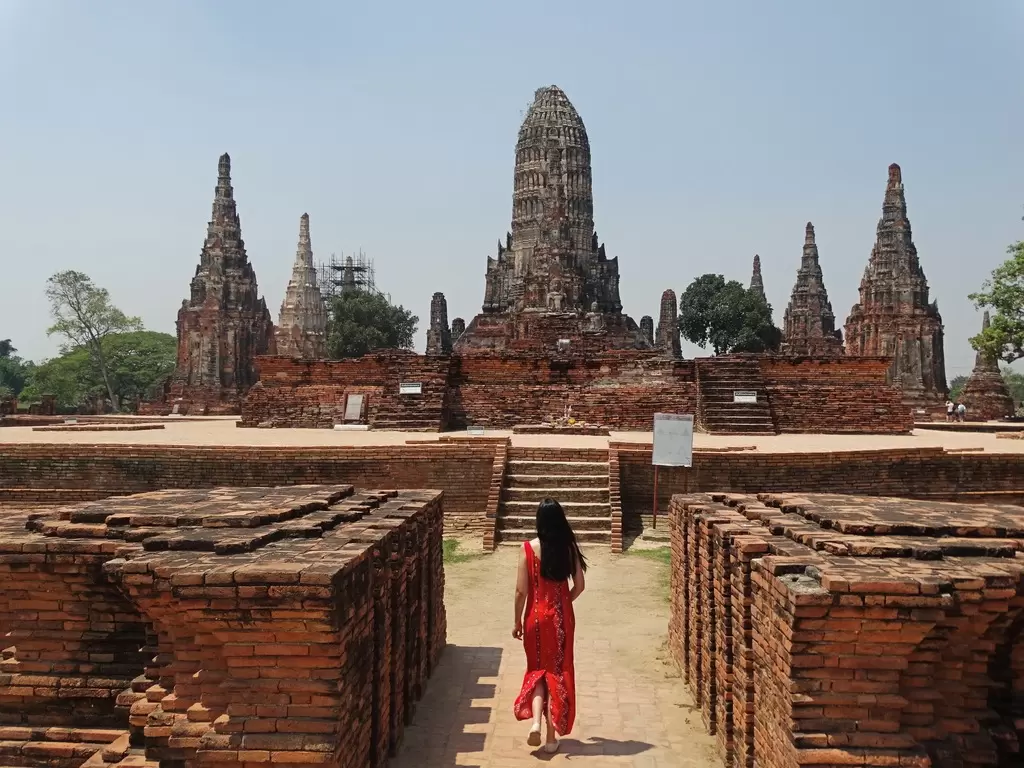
571,508
517,536
529,523
52,754
562,495
556,481
551,468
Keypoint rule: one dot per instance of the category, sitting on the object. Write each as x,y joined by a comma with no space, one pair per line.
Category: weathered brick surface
612,389
834,395
922,473
290,626
837,630
462,469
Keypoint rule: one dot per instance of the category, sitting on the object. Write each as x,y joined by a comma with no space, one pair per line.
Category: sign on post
673,440
673,446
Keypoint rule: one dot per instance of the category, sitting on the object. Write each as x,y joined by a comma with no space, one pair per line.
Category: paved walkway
632,708
222,431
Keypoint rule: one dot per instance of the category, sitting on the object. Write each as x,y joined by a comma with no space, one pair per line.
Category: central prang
551,279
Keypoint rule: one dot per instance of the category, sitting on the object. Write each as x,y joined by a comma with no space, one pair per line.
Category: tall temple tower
985,395
756,282
551,277
894,317
224,323
809,326
302,324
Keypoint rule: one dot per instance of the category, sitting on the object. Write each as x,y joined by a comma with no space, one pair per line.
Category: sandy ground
222,431
632,707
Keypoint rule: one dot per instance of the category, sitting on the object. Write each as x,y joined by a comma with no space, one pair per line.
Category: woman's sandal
534,738
551,747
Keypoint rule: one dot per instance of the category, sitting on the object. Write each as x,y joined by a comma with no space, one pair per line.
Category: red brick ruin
825,630
809,325
985,394
551,279
232,627
756,281
224,324
894,317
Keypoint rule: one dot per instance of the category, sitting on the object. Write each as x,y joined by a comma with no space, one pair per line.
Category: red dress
548,634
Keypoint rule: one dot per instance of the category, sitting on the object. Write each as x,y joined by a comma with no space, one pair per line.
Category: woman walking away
548,626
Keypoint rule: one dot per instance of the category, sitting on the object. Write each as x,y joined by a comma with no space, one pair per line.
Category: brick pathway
632,709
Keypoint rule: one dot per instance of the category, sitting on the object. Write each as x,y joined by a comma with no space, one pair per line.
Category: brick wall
833,395
832,630
311,393
620,390
924,473
53,473
305,638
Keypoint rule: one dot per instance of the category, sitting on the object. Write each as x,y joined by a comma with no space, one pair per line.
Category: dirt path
632,709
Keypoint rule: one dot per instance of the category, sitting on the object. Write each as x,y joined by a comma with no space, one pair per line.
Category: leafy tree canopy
84,316
138,363
361,322
727,316
1004,293
14,372
956,387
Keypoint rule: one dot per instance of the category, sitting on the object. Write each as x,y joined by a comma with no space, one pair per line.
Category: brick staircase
576,479
717,379
53,747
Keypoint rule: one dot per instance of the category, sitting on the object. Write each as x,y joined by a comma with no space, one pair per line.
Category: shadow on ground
596,747
443,726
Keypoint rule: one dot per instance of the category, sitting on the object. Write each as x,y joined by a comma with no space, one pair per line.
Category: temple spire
756,283
809,325
302,322
985,393
304,254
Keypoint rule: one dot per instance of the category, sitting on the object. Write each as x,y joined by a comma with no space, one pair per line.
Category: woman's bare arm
522,589
579,582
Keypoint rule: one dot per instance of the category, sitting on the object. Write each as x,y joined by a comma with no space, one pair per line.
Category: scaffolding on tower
347,273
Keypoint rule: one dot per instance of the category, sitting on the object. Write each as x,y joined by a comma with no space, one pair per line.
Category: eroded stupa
551,280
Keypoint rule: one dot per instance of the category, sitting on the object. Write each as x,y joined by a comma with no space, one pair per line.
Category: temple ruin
439,334
302,324
551,278
667,334
894,317
756,282
809,325
224,324
985,394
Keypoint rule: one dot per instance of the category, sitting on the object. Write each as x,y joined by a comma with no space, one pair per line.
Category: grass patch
663,557
453,552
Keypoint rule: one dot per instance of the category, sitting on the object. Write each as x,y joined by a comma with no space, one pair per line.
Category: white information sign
410,389
744,396
673,440
354,407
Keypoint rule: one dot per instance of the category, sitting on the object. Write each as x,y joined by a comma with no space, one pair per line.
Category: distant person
950,410
546,624
961,412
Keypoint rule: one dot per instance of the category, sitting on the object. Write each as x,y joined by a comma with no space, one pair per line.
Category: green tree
1004,293
727,316
14,372
83,315
1014,384
361,322
956,387
137,364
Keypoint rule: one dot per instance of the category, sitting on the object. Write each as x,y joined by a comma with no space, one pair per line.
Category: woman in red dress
547,627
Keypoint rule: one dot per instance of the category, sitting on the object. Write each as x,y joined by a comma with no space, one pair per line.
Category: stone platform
553,429
98,428
291,626
837,630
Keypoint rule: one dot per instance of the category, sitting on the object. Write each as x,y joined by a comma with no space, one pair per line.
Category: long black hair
560,552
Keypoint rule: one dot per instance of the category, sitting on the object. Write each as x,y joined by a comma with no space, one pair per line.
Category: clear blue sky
717,129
